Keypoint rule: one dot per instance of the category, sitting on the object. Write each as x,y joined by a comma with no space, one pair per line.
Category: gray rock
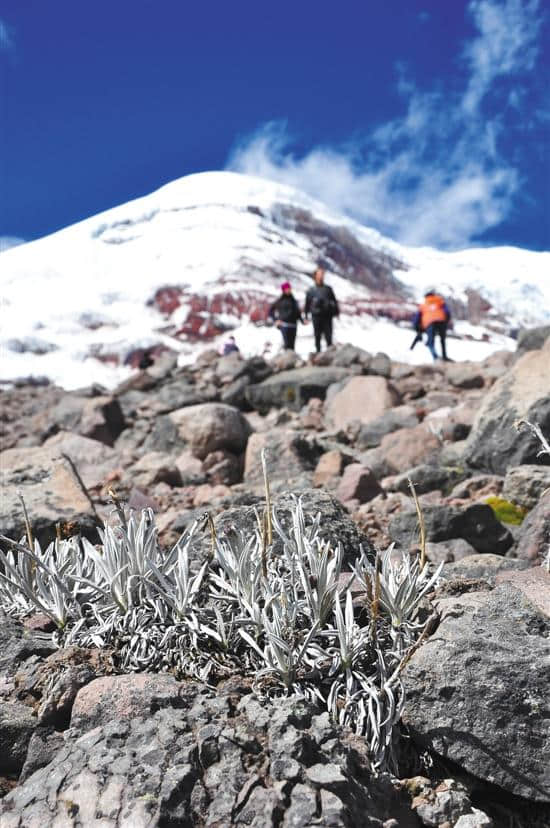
17,724
164,436
449,550
477,691
464,375
43,746
292,389
219,760
155,467
349,354
523,393
380,365
370,434
427,478
531,339
212,426
235,393
99,418
291,455
449,804
18,643
477,524
482,566
524,485
50,491
533,538
336,525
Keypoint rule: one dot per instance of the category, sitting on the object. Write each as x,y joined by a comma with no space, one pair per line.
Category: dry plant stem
80,482
421,525
375,604
119,509
536,430
267,533
213,536
28,528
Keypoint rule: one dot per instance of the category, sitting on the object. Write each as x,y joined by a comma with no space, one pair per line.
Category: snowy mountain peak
206,253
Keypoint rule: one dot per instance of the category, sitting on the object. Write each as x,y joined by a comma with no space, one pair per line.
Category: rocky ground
81,745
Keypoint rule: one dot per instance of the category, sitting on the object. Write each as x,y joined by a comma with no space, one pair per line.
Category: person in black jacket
321,303
285,312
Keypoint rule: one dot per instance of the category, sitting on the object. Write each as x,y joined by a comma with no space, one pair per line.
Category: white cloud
435,175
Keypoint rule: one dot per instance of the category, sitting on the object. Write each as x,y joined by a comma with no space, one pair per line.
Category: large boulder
100,418
213,758
336,525
292,389
523,393
364,399
476,524
49,487
405,448
212,426
477,691
291,457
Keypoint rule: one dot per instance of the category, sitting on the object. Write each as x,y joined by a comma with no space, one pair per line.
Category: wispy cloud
7,41
437,174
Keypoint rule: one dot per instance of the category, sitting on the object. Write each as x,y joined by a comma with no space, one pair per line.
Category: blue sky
427,120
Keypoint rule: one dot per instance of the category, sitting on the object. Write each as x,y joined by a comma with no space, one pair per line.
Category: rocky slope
348,430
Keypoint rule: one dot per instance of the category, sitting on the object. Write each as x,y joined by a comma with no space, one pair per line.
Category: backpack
322,303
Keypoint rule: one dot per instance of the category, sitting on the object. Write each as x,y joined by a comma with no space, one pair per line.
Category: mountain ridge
204,254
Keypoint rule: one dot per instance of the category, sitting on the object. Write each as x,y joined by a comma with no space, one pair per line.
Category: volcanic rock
361,398
212,426
478,689
523,393
477,524
524,485
292,389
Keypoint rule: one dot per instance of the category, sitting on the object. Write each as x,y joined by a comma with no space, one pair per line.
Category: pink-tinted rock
358,483
123,697
408,447
189,467
328,469
155,467
207,494
362,398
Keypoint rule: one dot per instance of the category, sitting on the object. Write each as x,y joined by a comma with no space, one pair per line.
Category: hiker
230,346
433,317
145,361
285,312
322,305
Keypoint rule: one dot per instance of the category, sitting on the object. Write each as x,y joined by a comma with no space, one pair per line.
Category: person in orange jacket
433,317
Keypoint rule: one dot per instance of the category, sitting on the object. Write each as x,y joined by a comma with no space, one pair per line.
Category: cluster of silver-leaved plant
272,604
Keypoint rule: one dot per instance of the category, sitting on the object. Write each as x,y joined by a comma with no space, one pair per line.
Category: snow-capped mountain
206,254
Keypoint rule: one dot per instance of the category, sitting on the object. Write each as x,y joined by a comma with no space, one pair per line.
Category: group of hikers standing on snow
431,318
321,304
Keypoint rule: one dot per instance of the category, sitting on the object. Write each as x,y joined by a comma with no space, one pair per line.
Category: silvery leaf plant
272,604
